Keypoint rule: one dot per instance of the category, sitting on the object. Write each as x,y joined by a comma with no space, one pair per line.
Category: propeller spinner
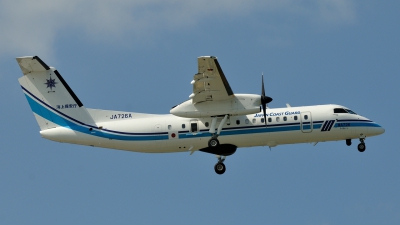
264,100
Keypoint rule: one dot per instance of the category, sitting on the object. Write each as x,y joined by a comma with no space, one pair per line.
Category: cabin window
306,117
237,122
269,120
254,120
183,126
193,127
339,110
262,120
206,124
295,117
277,119
284,118
246,121
169,127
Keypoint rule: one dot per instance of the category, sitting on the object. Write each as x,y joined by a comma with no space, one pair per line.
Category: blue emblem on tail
51,83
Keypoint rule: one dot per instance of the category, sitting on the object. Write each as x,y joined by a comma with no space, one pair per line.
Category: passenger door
194,127
306,125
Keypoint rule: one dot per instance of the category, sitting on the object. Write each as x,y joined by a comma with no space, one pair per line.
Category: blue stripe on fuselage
51,115
57,119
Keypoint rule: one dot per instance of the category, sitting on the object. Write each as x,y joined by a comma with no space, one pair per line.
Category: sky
141,56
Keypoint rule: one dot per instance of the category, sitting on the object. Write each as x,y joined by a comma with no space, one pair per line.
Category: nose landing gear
361,147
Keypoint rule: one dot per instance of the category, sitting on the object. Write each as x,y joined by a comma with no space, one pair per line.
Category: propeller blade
264,100
262,87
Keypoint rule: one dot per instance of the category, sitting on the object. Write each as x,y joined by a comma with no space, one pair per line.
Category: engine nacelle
239,104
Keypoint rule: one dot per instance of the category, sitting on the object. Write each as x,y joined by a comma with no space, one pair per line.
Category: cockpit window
339,110
351,111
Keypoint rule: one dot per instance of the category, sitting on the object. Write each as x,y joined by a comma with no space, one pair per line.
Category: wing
210,83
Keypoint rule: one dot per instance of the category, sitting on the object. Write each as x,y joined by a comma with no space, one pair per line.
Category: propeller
264,100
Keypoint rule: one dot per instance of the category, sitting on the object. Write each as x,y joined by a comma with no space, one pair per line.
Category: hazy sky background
141,56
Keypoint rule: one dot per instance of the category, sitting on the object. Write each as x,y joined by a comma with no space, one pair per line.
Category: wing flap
210,83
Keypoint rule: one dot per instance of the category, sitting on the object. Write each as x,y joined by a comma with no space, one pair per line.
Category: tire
361,147
213,142
220,168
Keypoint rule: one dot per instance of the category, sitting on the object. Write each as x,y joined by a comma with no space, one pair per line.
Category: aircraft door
306,125
194,126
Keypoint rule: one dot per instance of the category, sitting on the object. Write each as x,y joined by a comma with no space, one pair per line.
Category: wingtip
207,56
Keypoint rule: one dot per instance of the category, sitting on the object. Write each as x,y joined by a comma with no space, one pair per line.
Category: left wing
210,83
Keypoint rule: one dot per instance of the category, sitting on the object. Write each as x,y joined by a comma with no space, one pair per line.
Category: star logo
51,83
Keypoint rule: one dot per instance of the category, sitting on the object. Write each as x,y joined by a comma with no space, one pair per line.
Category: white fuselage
168,133
214,120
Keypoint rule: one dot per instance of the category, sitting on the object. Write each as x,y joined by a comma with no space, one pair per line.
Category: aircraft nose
381,130
377,130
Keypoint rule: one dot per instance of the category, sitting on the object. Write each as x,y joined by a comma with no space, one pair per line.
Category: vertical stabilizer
52,101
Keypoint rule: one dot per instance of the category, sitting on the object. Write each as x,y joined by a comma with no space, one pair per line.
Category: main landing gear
220,166
213,142
221,152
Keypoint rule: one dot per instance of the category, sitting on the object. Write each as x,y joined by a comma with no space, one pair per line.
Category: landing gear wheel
219,168
213,142
361,147
348,142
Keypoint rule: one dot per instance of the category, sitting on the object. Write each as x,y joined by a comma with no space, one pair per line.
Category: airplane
214,120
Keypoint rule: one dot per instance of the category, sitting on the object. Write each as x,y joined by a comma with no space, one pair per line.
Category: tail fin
52,101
